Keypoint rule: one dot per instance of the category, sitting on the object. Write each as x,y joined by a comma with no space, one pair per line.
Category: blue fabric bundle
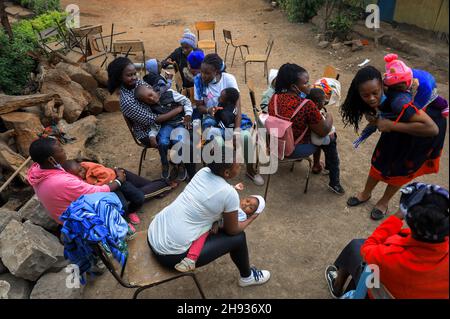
91,219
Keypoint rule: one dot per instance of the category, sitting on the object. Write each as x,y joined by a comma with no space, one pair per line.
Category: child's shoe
185,265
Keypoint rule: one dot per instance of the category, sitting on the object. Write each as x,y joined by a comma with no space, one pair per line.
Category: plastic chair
206,26
141,269
229,40
139,143
261,58
259,124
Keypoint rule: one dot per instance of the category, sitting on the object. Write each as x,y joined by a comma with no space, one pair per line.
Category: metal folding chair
262,58
144,147
236,45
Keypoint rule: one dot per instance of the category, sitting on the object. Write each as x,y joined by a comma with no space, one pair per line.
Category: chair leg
138,291
308,174
265,72
143,153
242,56
234,53
248,50
245,72
200,290
267,187
226,52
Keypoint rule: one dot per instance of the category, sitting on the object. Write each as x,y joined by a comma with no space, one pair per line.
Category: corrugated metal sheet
427,14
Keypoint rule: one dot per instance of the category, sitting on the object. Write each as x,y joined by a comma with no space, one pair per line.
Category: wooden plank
9,103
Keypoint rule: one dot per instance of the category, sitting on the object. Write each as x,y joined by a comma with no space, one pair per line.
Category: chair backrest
84,31
125,46
205,26
48,33
227,36
130,127
269,48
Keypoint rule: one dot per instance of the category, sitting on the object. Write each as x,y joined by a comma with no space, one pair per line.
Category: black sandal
354,201
377,214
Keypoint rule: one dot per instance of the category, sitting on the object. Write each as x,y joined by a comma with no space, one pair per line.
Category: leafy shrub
40,6
300,10
15,64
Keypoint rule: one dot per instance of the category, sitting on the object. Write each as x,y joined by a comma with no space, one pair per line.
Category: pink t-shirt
57,189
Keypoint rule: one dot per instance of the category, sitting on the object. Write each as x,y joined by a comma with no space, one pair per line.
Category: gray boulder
6,216
61,285
19,288
28,250
37,214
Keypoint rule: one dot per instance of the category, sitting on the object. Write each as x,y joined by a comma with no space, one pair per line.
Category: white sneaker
258,277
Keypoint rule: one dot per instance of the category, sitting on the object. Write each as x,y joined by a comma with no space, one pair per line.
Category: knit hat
189,38
152,65
195,59
272,75
396,71
262,204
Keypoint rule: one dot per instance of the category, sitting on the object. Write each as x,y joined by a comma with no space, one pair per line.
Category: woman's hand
120,174
384,125
239,186
187,121
372,119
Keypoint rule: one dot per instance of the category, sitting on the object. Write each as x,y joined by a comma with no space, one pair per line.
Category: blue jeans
164,141
331,157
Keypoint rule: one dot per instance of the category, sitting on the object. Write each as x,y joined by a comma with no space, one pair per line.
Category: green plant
340,26
15,64
300,10
40,6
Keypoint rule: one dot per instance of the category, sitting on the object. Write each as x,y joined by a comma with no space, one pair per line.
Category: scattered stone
37,214
320,37
357,45
164,23
337,46
59,285
98,73
20,288
95,107
323,44
27,126
28,251
19,12
102,94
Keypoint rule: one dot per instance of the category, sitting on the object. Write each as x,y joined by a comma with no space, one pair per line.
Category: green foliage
15,64
340,26
39,6
300,10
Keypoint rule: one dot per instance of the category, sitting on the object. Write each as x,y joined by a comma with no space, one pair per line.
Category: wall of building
427,14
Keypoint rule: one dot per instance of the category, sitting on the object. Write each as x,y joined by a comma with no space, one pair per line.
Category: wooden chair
50,40
236,45
262,58
126,47
206,26
291,161
139,143
141,269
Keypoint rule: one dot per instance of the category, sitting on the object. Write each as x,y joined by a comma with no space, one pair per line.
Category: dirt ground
298,234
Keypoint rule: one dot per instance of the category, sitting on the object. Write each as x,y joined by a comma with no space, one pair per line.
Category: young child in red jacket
412,262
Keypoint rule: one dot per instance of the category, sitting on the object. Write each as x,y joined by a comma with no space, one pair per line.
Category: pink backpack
281,128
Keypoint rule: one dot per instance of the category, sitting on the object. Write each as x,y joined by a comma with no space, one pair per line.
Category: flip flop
377,214
355,201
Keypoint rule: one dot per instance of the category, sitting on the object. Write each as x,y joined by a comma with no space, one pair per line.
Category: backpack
281,128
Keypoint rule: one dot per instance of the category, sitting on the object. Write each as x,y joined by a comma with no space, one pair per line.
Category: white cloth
273,73
193,212
242,216
213,90
261,205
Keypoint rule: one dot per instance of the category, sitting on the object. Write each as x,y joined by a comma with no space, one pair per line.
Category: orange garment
97,174
408,268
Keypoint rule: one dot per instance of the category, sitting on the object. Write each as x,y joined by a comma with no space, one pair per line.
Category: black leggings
216,246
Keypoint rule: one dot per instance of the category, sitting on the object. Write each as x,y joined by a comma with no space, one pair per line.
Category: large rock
6,216
98,73
96,106
111,103
74,97
82,130
27,126
3,268
20,288
28,250
5,287
61,285
102,94
37,214
78,75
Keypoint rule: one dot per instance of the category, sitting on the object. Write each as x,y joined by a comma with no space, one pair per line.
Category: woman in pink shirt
55,188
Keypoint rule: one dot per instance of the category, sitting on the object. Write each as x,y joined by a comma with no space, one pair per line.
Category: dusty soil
298,234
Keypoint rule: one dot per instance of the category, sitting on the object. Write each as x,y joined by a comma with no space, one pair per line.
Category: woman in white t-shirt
206,199
208,86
